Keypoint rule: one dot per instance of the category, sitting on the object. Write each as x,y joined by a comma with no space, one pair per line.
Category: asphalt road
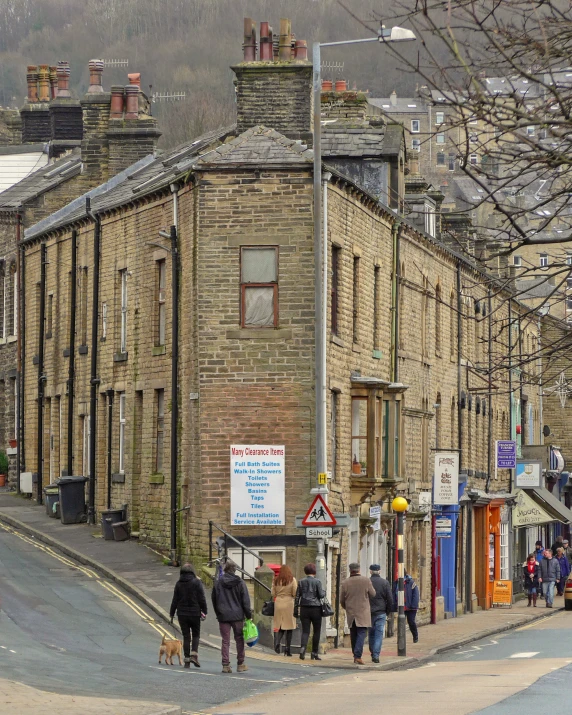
63,629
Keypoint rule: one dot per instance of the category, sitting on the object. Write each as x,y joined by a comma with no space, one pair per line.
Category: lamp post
399,505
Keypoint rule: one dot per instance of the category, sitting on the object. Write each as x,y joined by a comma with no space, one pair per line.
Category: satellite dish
546,431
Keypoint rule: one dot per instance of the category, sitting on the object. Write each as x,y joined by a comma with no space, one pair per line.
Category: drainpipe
325,246
174,370
109,443
71,367
20,346
94,380
510,383
459,367
41,376
395,234
490,370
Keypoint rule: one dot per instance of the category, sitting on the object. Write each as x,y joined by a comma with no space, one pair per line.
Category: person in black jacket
231,603
189,603
381,606
308,606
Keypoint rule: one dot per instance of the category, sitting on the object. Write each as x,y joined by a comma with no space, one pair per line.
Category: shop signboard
505,450
257,485
502,593
526,512
446,478
528,473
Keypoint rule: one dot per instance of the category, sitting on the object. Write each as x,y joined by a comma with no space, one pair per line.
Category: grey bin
121,530
72,499
109,517
52,500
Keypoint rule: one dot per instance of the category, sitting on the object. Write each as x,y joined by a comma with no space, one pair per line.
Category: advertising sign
528,473
257,485
527,512
446,479
502,593
443,526
505,450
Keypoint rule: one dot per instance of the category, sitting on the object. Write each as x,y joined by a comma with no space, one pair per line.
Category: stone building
415,357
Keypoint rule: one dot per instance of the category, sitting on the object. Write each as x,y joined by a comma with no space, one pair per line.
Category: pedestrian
231,604
381,605
567,550
308,606
558,543
539,553
531,573
354,597
550,575
284,589
189,603
564,570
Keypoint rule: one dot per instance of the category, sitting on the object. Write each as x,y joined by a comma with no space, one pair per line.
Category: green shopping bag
250,632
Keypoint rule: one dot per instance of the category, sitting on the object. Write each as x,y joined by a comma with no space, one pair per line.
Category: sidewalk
141,572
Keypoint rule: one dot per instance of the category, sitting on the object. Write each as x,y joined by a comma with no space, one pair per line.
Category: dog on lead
169,649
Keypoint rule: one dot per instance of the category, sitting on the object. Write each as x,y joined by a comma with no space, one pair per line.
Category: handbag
268,608
327,610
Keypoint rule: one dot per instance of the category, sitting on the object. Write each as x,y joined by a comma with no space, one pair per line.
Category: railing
222,543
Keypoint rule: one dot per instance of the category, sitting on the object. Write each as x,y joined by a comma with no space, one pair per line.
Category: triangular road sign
319,514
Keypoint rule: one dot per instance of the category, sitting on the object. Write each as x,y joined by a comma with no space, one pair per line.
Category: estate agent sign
257,485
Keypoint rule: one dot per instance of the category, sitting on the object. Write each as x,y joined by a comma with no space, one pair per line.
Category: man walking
381,605
188,603
567,551
231,603
354,597
411,602
549,574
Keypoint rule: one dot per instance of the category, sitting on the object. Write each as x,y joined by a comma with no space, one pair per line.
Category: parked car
568,594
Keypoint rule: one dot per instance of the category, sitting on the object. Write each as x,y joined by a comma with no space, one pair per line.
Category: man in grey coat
354,597
549,575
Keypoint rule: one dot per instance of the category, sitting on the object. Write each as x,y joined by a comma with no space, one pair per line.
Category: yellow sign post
322,478
502,593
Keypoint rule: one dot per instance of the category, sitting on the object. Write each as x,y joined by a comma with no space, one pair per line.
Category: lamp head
399,504
396,34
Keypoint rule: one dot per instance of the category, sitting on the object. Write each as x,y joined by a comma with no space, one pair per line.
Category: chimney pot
63,76
301,50
285,49
266,48
341,85
393,98
32,79
95,73
117,101
44,82
132,101
249,46
135,79
327,85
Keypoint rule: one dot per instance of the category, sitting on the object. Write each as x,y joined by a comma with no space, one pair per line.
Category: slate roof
18,162
339,140
40,181
259,145
528,288
403,105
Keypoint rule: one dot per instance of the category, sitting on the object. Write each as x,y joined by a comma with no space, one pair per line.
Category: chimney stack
276,89
35,114
96,107
65,113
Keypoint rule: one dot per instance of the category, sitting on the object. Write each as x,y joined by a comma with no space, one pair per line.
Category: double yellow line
95,576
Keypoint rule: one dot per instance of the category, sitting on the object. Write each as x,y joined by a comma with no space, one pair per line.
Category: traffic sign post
319,514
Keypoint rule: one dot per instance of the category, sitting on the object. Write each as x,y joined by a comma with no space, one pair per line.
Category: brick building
414,328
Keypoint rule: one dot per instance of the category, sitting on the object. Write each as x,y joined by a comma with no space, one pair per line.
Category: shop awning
551,504
527,511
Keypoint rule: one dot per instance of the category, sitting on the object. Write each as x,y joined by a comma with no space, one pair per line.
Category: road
65,630
520,672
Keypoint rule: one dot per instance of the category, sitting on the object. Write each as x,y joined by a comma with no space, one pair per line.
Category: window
440,158
440,137
160,431
451,161
161,307
376,307
424,316
85,446
517,261
473,138
438,319
569,302
359,436
439,117
430,220
83,307
259,287
569,259
415,126
530,131
453,325
474,159
103,321
335,284
543,260
50,316
355,302
3,301
122,421
14,330
123,336
416,145
473,119
334,433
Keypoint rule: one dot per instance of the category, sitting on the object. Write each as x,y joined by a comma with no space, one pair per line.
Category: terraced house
169,315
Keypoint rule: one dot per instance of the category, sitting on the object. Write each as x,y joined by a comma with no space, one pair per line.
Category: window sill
356,348
337,341
156,479
377,354
82,350
259,333
66,352
11,338
48,336
118,478
159,350
120,357
35,360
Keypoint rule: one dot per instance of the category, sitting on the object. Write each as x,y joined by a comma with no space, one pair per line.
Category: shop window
259,287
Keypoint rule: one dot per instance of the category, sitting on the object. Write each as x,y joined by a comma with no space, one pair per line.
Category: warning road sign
319,514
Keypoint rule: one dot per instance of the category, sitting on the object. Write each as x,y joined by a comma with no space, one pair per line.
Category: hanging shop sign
446,479
528,473
257,485
526,512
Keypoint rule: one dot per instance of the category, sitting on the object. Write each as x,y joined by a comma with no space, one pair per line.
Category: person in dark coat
189,603
558,544
308,605
411,597
549,575
531,575
381,606
231,603
564,570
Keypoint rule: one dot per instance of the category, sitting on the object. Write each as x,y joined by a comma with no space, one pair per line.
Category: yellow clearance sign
502,593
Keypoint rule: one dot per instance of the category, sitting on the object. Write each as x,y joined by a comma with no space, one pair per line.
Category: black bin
121,530
72,499
52,500
109,517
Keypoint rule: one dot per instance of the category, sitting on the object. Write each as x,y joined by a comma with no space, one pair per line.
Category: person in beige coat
354,597
284,589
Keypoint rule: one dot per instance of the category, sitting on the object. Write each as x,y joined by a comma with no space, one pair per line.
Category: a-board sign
502,593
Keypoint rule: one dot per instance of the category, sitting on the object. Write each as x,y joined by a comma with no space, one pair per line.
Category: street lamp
399,505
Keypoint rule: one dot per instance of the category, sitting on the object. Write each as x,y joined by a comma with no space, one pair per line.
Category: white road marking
216,675
530,654
3,647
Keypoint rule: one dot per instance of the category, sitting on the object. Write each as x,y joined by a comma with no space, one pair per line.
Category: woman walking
284,591
531,573
564,569
309,602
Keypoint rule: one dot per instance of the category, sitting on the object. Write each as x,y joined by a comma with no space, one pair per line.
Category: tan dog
170,648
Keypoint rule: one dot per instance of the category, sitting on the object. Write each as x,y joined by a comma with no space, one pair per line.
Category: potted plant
13,443
3,468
